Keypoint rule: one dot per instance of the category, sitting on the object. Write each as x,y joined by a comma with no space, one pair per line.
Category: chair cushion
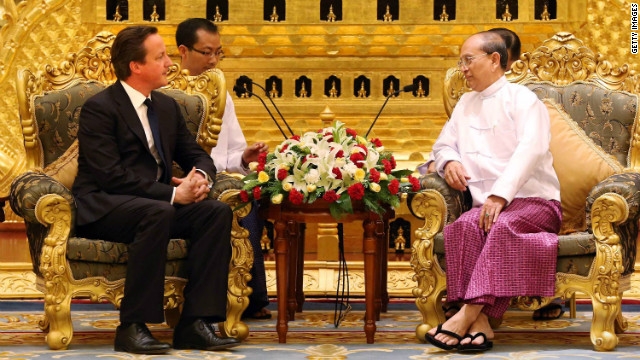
65,168
577,178
57,114
107,252
575,252
191,107
114,272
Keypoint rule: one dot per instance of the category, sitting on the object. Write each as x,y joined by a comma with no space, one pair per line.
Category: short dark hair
128,46
493,43
186,32
511,40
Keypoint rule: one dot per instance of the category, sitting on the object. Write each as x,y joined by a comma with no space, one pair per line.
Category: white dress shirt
501,136
227,155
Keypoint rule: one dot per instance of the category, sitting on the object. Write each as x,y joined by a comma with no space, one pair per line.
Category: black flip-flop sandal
547,309
432,339
471,347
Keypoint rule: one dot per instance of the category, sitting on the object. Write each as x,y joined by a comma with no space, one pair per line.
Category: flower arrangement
334,164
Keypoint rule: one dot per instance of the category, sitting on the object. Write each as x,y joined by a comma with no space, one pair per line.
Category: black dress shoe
199,335
137,339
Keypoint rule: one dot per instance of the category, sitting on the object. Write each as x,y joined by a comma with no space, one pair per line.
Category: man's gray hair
493,43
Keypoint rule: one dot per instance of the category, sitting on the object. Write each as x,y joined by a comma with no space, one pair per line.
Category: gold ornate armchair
67,266
597,246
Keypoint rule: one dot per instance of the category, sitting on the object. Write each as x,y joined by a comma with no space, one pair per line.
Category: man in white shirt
198,42
496,144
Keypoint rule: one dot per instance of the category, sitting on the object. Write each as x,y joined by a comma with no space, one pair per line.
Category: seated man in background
496,144
129,135
198,42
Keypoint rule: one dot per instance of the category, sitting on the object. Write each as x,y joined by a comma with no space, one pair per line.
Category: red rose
376,142
262,158
282,173
340,154
295,137
387,166
394,186
356,191
357,159
337,172
363,148
415,183
295,197
260,167
374,175
257,192
285,147
330,196
330,138
352,132
244,196
392,160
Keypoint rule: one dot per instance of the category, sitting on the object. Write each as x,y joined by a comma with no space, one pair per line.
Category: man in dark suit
129,136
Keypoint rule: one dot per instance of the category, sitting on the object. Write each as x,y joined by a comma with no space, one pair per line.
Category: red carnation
244,196
357,159
376,142
415,183
330,196
262,158
374,175
340,154
295,197
285,147
330,138
352,132
260,167
257,192
295,137
387,166
282,173
356,191
394,186
363,148
337,172
392,160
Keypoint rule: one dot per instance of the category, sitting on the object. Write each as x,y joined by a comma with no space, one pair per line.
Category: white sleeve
227,155
445,148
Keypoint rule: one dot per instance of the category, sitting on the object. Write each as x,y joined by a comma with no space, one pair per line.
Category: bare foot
480,325
458,323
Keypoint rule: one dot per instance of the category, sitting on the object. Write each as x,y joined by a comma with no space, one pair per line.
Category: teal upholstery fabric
606,116
57,114
224,182
191,106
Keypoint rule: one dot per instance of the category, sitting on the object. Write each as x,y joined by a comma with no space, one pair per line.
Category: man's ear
134,67
495,60
183,51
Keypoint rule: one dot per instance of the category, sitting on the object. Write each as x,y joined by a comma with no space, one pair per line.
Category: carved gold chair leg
572,306
605,314
621,324
43,323
58,313
172,316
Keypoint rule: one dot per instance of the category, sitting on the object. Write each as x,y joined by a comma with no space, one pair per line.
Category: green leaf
249,177
313,196
241,206
250,185
336,211
401,173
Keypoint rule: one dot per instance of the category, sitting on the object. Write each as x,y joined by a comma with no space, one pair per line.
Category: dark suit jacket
115,164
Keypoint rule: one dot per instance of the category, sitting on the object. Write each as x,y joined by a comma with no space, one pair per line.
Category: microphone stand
274,105
242,90
395,93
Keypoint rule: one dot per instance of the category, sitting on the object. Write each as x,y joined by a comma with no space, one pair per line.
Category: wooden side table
288,246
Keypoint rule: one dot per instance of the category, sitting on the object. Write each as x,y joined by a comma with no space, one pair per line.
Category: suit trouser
147,225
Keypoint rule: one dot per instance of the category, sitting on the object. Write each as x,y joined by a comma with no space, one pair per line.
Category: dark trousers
147,226
258,298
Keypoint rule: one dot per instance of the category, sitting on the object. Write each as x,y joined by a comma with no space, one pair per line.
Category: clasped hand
191,188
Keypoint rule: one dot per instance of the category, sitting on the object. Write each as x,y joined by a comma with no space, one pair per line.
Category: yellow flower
277,199
263,177
361,140
383,176
311,188
359,175
374,187
287,186
253,165
404,180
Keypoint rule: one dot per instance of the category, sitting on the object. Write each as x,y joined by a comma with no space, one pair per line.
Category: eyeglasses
466,61
219,54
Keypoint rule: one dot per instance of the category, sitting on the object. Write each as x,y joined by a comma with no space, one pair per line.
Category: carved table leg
281,250
300,268
370,248
385,259
292,261
378,269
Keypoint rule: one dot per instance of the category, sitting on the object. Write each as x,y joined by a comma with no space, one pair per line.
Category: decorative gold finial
155,17
303,91
265,243
274,91
400,241
217,17
117,16
327,116
390,90
545,16
506,16
331,17
245,94
420,92
274,15
444,16
387,16
362,93
333,92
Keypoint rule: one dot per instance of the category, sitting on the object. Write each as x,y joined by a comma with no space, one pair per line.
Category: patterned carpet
312,336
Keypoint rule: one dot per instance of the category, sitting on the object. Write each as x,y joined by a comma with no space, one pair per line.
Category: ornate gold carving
388,17
217,17
18,284
390,90
506,15
420,92
116,16
265,242
245,94
331,17
327,116
303,91
274,15
530,303
362,93
154,17
429,205
545,16
400,241
444,16
333,92
273,93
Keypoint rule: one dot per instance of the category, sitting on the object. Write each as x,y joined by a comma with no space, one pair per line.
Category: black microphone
242,90
408,88
274,105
